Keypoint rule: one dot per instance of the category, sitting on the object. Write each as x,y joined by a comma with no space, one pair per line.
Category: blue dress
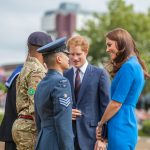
126,89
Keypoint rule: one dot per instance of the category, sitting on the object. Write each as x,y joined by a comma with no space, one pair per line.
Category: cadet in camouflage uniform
24,128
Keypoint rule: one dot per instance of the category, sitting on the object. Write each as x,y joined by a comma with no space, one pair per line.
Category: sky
19,18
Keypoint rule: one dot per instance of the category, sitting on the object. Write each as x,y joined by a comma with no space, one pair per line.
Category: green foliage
145,131
1,117
3,88
146,58
119,14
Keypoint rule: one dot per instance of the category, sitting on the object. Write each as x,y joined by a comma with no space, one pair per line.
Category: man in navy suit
90,87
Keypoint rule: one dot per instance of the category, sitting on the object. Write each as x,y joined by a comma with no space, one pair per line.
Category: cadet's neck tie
77,84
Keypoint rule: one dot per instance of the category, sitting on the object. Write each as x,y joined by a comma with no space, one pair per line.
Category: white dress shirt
81,73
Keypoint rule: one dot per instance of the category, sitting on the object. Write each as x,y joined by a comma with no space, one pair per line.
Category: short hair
32,47
49,59
78,41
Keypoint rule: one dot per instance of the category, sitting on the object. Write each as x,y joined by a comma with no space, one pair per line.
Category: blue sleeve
62,102
104,91
37,117
123,84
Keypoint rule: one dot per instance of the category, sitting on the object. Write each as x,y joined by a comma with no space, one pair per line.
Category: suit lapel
86,79
70,78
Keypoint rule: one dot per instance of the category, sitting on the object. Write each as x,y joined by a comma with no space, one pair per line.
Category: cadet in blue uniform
128,71
10,111
53,101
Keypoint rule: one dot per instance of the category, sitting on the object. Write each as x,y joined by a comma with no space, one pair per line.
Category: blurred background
90,18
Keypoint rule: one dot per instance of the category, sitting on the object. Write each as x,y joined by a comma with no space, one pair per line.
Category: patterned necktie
77,84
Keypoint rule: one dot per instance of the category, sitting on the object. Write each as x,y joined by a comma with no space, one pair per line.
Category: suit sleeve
37,117
104,91
62,102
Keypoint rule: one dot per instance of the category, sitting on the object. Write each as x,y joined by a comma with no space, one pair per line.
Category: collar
13,76
54,71
82,68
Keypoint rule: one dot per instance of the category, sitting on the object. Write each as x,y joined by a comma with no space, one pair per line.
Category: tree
3,88
119,14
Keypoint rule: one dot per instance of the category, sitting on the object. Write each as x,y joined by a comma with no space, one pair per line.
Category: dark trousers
10,146
76,143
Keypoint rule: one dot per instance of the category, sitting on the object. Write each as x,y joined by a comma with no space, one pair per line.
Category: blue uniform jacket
94,95
53,106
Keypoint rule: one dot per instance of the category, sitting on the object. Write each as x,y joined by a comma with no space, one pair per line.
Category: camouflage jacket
32,73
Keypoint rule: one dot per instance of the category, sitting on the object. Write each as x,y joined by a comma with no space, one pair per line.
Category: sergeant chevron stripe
65,102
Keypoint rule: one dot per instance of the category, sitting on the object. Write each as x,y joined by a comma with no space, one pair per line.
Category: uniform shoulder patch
63,81
65,101
31,91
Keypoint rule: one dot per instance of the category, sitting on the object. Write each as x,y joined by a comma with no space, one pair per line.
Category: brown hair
126,46
78,41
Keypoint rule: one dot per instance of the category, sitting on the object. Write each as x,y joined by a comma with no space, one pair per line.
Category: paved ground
143,144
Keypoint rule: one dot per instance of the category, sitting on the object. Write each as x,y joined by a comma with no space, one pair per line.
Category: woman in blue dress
128,72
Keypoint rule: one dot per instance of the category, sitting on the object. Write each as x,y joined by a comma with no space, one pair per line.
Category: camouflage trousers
24,134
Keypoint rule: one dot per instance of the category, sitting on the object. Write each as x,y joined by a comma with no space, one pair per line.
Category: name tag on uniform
65,101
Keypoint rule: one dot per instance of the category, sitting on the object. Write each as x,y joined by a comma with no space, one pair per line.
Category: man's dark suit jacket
94,96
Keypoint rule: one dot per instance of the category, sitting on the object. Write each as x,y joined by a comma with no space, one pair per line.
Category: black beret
39,39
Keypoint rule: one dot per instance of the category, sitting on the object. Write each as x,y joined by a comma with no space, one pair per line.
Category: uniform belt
25,117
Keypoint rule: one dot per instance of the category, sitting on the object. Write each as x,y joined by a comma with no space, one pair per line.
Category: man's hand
99,133
75,113
99,145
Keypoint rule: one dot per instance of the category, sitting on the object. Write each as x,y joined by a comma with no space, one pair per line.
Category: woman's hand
99,145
